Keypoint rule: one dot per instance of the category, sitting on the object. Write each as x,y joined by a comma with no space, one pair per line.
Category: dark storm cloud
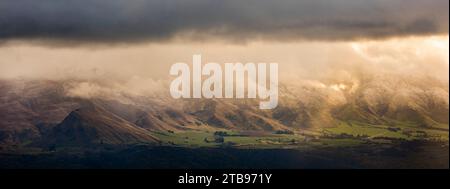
154,20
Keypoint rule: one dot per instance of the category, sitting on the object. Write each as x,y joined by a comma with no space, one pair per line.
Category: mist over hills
48,112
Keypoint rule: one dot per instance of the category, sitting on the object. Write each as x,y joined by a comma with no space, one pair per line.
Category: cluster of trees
221,133
286,132
216,139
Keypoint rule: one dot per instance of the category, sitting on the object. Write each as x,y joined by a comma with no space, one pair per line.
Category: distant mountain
231,114
383,100
92,124
148,115
29,108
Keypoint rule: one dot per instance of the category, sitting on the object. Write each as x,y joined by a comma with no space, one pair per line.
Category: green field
344,134
404,131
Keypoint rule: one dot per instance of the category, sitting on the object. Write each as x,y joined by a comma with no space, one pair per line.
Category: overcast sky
139,40
130,21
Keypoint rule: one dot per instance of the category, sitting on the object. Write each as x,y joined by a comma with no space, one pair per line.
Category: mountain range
44,112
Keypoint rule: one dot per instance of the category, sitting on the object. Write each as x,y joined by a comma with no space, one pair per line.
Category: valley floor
349,145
